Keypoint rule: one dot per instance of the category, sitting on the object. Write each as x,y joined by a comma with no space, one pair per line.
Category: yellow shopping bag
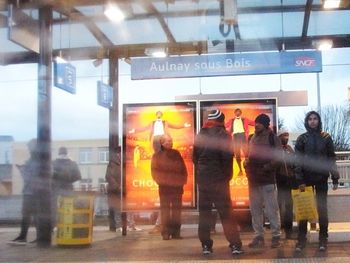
304,204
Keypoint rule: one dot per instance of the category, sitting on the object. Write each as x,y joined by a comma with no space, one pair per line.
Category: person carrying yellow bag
315,161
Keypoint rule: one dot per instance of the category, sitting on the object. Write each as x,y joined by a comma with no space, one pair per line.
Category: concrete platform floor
141,246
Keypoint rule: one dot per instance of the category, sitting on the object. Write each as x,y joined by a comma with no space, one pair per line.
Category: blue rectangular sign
227,65
65,76
104,95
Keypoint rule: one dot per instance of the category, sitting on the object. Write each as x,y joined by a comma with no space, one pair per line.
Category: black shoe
322,245
275,242
113,229
207,250
236,250
299,246
257,242
18,241
176,237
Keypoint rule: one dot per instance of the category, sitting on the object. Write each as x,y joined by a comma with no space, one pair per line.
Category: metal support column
318,93
44,127
114,118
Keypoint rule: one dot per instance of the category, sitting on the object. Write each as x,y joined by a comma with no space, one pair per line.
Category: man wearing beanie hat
238,126
261,166
315,161
213,158
285,179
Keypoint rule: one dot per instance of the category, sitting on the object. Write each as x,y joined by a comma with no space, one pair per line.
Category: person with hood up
170,173
315,161
264,149
213,158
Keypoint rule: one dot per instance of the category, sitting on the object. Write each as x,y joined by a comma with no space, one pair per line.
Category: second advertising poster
246,111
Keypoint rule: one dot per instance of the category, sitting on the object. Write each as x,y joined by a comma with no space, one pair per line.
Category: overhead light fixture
113,12
323,44
97,62
156,52
329,4
127,60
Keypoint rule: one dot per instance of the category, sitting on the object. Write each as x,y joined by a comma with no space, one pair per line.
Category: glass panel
329,23
134,31
72,36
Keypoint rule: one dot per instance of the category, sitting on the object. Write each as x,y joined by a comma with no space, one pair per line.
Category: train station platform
140,246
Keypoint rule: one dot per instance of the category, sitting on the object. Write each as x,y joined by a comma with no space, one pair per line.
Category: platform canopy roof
81,30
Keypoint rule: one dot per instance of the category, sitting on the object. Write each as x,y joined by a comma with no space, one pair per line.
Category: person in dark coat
315,161
261,164
213,158
170,173
285,179
65,173
31,185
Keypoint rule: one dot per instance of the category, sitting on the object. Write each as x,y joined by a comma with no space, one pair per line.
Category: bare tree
336,121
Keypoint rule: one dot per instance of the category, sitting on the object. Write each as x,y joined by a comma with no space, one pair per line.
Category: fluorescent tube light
328,4
113,12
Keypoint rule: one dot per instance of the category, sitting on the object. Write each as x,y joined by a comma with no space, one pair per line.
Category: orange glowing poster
249,110
143,125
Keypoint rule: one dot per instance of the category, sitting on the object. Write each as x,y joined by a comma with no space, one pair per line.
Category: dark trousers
114,213
285,203
170,209
321,200
219,195
239,144
29,212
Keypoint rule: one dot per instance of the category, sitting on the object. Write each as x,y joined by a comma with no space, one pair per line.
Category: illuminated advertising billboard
143,125
249,109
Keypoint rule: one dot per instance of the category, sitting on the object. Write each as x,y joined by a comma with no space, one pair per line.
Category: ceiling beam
74,14
137,50
307,13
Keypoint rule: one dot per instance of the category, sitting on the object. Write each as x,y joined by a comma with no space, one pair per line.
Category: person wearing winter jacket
213,159
285,179
315,161
170,173
261,165
65,173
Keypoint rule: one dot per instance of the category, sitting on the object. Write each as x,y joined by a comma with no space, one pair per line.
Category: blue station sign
65,76
227,64
104,95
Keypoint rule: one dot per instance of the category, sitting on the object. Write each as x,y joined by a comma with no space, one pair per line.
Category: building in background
91,156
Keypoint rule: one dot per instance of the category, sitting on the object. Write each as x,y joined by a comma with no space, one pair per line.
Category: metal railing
343,165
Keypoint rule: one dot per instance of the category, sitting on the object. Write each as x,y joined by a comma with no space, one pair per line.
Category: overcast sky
79,117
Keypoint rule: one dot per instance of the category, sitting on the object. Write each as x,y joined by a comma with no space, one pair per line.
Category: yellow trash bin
75,218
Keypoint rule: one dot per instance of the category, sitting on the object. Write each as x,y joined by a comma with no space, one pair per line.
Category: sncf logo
305,62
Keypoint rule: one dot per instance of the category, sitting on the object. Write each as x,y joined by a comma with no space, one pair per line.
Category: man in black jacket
213,158
315,161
